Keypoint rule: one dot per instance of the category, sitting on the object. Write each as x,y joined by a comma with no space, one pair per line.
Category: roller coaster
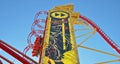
56,37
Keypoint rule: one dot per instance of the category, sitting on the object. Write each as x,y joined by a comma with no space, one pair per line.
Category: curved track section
105,37
37,29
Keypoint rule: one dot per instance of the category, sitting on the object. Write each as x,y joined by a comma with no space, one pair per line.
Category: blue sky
16,18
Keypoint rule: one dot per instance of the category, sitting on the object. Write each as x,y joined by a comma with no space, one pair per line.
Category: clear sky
16,18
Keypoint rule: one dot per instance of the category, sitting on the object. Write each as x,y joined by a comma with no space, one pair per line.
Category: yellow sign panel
59,38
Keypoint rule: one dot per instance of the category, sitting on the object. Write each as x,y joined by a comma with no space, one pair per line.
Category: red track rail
106,38
17,54
6,59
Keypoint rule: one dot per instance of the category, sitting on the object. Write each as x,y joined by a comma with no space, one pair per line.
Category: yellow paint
65,8
59,14
47,35
63,34
69,57
47,60
71,33
46,41
74,17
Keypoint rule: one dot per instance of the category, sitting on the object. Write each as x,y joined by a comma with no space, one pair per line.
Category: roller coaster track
103,35
26,60
10,62
16,54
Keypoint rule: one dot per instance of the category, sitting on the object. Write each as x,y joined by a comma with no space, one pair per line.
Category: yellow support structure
60,42
110,61
63,34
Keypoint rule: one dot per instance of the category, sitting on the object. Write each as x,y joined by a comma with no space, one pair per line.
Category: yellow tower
60,45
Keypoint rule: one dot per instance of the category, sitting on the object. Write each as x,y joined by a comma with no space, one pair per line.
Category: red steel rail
6,59
105,37
17,54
